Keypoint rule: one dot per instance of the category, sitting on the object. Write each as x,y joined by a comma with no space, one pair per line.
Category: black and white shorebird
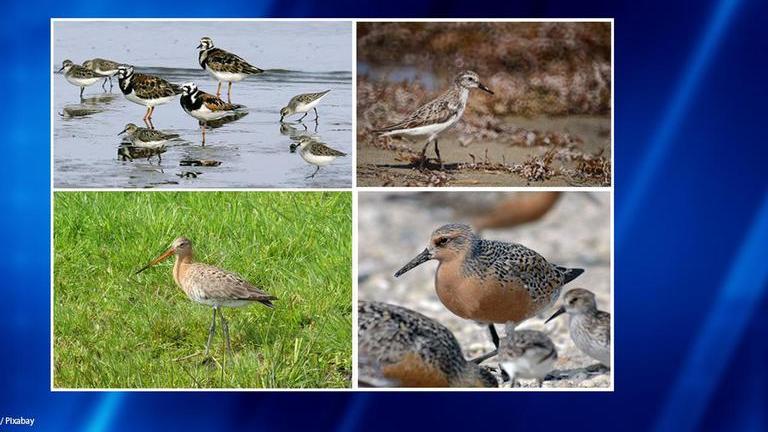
223,65
315,153
103,67
144,89
302,103
432,118
145,137
78,75
205,107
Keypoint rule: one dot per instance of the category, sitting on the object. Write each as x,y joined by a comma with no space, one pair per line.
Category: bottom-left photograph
172,290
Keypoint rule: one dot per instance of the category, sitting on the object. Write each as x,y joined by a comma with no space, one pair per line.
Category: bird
589,327
144,89
407,349
210,285
203,106
434,117
522,208
316,153
491,281
527,354
145,137
78,75
103,67
223,65
303,103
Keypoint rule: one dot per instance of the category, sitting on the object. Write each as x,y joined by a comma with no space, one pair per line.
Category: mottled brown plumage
589,327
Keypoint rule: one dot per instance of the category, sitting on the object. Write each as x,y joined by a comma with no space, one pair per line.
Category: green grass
114,329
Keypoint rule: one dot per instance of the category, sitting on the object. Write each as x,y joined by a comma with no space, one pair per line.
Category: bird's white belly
427,130
148,102
302,108
82,82
527,368
317,159
205,114
149,144
227,76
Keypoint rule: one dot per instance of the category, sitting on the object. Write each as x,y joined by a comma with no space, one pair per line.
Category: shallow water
298,57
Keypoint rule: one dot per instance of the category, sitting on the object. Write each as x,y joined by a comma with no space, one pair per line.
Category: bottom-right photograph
484,290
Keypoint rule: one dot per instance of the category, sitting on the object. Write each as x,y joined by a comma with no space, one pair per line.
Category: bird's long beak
482,87
199,46
556,314
159,259
122,131
61,68
419,259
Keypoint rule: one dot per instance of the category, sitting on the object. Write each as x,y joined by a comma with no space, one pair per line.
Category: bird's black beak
122,132
419,259
482,87
556,314
199,46
61,68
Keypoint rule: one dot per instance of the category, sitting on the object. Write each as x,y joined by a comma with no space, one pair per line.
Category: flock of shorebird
151,91
490,282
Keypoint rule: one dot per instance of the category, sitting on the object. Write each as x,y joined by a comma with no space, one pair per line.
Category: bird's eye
441,241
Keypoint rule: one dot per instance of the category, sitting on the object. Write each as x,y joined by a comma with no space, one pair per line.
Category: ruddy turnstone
78,75
590,328
203,106
148,138
103,67
315,153
143,89
437,115
407,349
527,354
491,281
302,103
223,65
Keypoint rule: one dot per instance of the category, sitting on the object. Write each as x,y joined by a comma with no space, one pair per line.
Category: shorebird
432,118
589,327
223,65
527,354
145,137
410,350
203,106
209,285
103,67
316,153
523,208
78,75
303,103
491,281
144,89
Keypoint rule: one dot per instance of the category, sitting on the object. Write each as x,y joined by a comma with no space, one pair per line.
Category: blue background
691,234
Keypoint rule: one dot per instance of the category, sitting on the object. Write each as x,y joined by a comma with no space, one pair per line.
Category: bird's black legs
104,84
317,168
81,92
302,117
494,335
211,332
316,116
225,326
437,152
110,83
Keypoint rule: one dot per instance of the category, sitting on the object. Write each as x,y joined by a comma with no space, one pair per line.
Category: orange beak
164,256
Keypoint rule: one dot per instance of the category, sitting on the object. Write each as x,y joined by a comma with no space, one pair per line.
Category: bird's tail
253,69
570,273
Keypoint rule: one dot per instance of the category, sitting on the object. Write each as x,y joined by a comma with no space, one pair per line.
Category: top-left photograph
201,104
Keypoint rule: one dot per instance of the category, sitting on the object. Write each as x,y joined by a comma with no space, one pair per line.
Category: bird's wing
153,87
221,60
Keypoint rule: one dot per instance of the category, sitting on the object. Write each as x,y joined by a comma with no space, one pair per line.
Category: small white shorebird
103,67
435,116
302,103
203,106
145,137
526,354
589,327
209,285
78,75
223,65
316,153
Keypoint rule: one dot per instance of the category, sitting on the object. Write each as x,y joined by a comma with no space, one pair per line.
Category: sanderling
78,75
589,327
315,153
145,137
302,103
527,354
103,67
437,115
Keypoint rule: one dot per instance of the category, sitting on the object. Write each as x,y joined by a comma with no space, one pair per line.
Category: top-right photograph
484,104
